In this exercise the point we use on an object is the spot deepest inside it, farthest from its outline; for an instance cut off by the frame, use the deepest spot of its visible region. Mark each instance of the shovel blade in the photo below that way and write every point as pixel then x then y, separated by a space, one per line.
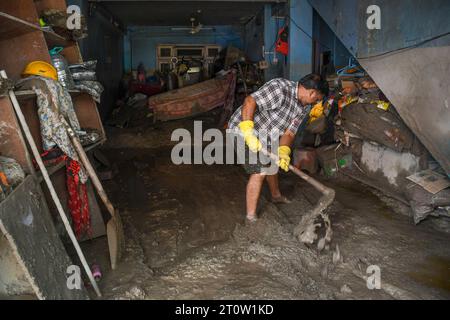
pixel 114 232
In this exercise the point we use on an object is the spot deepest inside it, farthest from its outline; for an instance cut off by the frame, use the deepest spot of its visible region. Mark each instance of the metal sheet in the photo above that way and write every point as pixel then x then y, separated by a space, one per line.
pixel 417 82
pixel 26 223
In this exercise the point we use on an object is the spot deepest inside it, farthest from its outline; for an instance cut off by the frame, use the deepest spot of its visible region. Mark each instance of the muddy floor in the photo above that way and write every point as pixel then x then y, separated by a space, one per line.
pixel 186 236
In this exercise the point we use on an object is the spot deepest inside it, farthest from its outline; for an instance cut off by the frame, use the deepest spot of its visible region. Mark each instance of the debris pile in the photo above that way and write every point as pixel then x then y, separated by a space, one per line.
pixel 11 175
pixel 57 21
pixel 188 88
pixel 357 131
pixel 130 112
pixel 5 86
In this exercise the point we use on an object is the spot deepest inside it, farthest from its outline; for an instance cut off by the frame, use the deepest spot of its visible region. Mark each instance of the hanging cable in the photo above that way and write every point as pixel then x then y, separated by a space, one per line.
pixel 306 33
pixel 388 52
pixel 392 52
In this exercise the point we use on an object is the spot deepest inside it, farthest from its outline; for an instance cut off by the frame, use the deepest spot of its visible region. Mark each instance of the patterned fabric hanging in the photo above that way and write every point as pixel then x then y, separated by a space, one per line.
pixel 78 200
pixel 56 113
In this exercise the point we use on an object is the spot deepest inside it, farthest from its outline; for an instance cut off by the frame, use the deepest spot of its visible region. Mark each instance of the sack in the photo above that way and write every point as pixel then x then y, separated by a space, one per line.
pixel 318 126
pixel 94 88
pixel 84 75
pixel 424 203
pixel 90 65
pixel 370 123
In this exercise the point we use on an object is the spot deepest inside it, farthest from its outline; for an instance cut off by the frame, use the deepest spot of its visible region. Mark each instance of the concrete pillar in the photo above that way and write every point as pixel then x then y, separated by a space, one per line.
pixel 301 46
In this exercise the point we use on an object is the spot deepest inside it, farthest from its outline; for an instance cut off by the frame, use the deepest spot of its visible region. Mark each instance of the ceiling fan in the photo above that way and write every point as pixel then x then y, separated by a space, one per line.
pixel 195 27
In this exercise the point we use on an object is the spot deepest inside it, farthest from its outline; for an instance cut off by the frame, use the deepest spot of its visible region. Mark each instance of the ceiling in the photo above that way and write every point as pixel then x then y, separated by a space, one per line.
pixel 177 13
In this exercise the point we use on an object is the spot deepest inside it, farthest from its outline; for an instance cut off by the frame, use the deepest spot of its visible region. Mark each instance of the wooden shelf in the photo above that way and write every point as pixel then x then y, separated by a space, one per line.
pixel 30 94
pixel 95 145
pixel 22 40
pixel 52 169
pixel 11 27
pixel 84 106
pixel 55 40
pixel 55 168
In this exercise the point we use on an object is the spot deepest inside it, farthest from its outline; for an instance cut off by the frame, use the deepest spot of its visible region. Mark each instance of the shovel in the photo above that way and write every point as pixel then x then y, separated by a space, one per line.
pixel 305 231
pixel 114 228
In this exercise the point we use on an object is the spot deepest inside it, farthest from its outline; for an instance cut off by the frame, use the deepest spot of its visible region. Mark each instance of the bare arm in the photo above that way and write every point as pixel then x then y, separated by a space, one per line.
pixel 287 138
pixel 248 109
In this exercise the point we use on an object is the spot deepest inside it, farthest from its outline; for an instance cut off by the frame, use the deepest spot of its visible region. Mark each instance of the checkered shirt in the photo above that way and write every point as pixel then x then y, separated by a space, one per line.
pixel 277 108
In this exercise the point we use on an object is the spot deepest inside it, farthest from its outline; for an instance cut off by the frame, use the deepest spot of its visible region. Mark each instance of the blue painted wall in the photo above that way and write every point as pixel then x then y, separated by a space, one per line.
pixel 299 61
pixel 141 42
pixel 253 39
pixel 403 23
pixel 300 50
pixel 272 25
pixel 328 41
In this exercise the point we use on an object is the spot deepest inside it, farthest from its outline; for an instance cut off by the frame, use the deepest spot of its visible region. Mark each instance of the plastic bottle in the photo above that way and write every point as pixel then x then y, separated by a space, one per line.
pixel 96 272
pixel 62 67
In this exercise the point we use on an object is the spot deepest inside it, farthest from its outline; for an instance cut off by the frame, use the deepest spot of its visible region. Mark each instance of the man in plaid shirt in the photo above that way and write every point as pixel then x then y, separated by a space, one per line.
pixel 278 105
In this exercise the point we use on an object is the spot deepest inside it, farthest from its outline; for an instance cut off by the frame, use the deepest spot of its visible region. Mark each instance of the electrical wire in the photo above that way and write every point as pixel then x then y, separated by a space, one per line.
pixel 254 16
pixel 277 23
pixel 392 51
pixel 400 50
pixel 306 33
pixel 377 55
pixel 359 58
pixel 296 25
pixel 302 30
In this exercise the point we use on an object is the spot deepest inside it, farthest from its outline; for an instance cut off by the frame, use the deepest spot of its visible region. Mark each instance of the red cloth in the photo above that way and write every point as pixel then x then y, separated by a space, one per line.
pixel 78 200
pixel 145 88
pixel 282 42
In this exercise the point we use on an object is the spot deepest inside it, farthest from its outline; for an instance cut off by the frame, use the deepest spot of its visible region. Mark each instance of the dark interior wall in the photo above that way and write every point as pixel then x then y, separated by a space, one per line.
pixel 104 44
pixel 328 41
pixel 254 37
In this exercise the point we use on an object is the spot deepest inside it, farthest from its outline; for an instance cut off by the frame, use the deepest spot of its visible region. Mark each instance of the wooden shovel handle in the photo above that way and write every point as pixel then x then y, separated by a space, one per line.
pixel 316 184
pixel 91 172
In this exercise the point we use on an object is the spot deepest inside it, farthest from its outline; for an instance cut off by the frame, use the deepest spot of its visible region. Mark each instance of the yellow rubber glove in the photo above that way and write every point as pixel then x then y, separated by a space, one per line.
pixel 250 139
pixel 284 158
pixel 316 112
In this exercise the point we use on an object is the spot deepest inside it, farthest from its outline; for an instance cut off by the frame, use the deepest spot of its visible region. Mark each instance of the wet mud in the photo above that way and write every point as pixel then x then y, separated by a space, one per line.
pixel 187 238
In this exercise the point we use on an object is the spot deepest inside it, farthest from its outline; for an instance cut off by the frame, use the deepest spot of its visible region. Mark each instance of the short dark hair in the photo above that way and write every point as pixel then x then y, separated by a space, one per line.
pixel 316 82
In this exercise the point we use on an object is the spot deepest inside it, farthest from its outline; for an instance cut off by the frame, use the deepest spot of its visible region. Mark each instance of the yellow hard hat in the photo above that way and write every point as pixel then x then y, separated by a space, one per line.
pixel 41 68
